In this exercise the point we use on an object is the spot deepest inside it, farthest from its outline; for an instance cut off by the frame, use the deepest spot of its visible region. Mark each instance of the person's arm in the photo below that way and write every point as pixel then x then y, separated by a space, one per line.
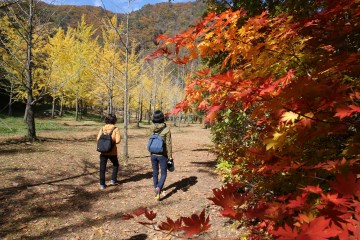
pixel 169 145
pixel 99 134
pixel 117 136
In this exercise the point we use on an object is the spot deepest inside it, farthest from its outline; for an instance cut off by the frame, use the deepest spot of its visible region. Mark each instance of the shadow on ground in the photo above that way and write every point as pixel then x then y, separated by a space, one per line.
pixel 61 198
pixel 136 178
pixel 208 164
pixel 138 237
pixel 184 185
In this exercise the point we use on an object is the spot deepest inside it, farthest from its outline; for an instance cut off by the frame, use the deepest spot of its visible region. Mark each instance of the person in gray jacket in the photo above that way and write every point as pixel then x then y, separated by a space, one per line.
pixel 161 159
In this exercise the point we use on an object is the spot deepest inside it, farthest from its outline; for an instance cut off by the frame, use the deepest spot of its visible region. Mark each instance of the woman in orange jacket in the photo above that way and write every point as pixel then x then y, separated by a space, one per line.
pixel 110 121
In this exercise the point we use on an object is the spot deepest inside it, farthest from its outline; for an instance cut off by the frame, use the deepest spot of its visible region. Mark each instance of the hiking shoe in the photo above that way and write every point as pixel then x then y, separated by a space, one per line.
pixel 157 193
pixel 114 182
pixel 102 186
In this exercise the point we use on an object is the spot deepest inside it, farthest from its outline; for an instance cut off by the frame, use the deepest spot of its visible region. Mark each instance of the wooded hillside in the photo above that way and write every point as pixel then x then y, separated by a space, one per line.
pixel 145 24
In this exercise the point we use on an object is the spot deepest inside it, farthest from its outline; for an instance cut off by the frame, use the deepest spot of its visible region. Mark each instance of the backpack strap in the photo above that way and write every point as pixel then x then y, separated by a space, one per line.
pixel 102 130
pixel 160 130
pixel 112 131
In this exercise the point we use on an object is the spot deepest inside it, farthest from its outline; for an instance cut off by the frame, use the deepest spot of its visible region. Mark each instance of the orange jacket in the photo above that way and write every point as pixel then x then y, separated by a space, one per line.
pixel 115 137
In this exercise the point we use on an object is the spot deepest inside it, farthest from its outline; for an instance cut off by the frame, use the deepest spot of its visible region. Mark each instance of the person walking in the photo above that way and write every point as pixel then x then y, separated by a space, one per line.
pixel 109 128
pixel 159 160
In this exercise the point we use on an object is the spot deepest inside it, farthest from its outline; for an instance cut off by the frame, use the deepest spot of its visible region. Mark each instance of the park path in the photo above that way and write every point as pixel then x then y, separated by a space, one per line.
pixel 50 189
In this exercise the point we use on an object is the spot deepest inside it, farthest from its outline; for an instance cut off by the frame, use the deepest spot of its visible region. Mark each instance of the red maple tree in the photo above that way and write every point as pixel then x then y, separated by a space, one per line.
pixel 297 84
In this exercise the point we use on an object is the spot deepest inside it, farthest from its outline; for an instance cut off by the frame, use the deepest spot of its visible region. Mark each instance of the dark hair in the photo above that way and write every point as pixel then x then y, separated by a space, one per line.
pixel 158 117
pixel 110 119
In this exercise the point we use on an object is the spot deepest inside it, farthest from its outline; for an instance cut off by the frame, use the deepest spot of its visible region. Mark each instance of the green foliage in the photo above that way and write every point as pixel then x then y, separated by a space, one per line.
pixel 229 133
pixel 223 168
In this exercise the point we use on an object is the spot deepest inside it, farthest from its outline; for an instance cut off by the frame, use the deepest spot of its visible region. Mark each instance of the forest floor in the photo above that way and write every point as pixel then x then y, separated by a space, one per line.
pixel 50 189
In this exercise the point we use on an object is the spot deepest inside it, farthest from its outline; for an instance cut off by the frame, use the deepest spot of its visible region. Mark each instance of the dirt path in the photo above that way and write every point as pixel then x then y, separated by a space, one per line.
pixel 50 190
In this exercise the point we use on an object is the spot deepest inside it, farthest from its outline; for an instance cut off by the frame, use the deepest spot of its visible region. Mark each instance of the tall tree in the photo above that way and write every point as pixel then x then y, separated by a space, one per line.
pixel 58 66
pixel 28 32
pixel 83 56
pixel 109 71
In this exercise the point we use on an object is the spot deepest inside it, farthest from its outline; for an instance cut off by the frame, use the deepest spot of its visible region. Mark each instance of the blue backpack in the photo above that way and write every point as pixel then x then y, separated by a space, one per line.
pixel 156 143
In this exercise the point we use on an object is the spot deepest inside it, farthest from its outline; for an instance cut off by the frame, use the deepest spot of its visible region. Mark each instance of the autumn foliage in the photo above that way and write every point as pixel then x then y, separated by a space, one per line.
pixel 182 227
pixel 296 81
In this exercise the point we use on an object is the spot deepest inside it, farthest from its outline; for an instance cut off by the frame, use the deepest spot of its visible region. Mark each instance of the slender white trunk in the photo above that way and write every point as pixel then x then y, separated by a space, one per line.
pixel 126 90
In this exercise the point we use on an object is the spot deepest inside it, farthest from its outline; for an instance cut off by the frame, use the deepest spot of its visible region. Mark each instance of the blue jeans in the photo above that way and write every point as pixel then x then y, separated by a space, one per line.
pixel 156 161
pixel 103 162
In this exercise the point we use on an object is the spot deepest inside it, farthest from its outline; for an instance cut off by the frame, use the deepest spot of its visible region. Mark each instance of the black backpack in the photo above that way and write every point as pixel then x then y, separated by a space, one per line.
pixel 105 143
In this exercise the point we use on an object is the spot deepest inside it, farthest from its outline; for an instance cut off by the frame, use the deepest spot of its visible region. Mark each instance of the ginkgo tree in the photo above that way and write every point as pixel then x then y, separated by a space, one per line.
pixel 58 66
pixel 295 79
pixel 22 42
pixel 82 59
pixel 109 70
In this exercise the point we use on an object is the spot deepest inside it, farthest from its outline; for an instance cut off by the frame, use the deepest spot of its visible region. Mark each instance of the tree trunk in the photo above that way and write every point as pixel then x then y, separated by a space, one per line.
pixel 102 109
pixel 110 108
pixel 10 112
pixel 53 108
pixel 77 108
pixel 30 118
pixel 174 120
pixel 126 94
pixel 81 108
pixel 149 112
pixel 61 113
pixel 141 112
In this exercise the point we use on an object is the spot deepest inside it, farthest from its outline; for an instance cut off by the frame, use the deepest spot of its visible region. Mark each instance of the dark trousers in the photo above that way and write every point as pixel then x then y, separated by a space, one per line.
pixel 103 162
pixel 156 161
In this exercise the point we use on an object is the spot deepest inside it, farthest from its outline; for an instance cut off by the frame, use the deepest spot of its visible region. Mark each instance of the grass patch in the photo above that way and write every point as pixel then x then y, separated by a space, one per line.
pixel 16 125
pixel 49 125
pixel 12 125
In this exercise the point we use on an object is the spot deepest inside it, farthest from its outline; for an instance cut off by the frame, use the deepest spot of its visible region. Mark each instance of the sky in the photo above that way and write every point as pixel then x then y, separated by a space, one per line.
pixel 117 6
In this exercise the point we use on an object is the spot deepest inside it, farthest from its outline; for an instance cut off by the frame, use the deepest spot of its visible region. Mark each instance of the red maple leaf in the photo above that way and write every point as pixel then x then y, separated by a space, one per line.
pixel 346 185
pixel 203 72
pixel 275 211
pixel 150 215
pixel 170 225
pixel 195 224
pixel 354 108
pixel 213 110
pixel 318 229
pixel 228 197
pixel 313 189
pixel 333 198
pixel 139 211
pixel 354 228
pixel 286 233
pixel 343 112
pixel 257 211
pixel 231 213
pixel 299 201
pixel 337 215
